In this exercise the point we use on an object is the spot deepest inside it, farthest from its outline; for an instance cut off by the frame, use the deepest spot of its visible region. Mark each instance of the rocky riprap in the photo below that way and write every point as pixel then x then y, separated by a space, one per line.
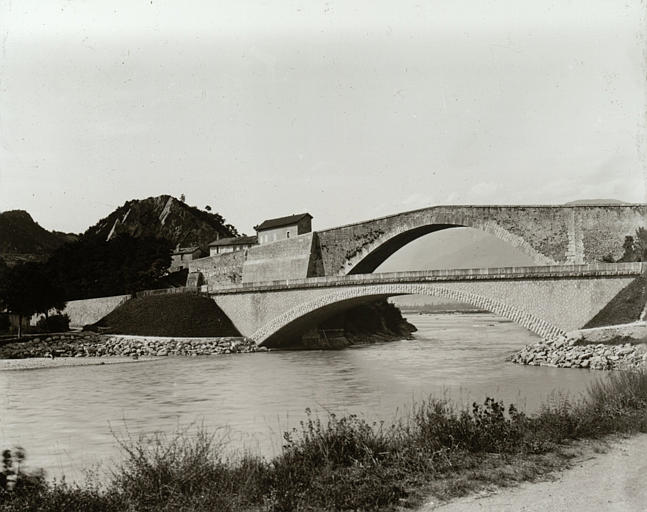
pixel 96 345
pixel 566 352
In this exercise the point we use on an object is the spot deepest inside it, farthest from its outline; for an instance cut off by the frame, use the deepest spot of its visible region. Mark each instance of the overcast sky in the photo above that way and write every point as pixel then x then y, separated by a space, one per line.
pixel 346 109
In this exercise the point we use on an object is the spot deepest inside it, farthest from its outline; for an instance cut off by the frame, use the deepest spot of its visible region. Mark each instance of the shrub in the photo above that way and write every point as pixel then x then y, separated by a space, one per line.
pixel 15 483
pixel 54 323
pixel 4 322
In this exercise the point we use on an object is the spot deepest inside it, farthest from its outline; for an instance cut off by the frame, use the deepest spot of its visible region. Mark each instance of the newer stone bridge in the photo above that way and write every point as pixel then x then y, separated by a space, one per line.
pixel 274 291
pixel 548 300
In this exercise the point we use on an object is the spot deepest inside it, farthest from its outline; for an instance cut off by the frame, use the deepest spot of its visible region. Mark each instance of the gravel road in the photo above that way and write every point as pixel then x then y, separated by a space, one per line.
pixel 613 481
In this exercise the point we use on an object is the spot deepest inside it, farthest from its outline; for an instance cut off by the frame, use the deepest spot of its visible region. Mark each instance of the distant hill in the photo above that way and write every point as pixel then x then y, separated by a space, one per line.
pixel 451 248
pixel 587 202
pixel 163 217
pixel 22 239
pixel 456 248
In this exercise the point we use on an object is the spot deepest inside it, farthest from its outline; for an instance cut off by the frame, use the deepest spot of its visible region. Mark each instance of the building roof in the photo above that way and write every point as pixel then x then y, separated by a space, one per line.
pixel 185 250
pixel 281 221
pixel 238 240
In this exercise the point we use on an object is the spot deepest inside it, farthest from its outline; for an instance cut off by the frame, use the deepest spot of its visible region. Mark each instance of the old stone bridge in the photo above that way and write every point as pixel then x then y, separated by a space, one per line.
pixel 549 234
pixel 548 300
pixel 274 291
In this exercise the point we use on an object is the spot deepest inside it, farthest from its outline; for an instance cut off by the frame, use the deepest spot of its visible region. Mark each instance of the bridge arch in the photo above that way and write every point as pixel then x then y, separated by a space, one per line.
pixel 324 306
pixel 365 259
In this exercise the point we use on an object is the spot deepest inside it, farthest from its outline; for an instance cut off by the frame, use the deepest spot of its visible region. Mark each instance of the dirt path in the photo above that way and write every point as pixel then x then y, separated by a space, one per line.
pixel 611 481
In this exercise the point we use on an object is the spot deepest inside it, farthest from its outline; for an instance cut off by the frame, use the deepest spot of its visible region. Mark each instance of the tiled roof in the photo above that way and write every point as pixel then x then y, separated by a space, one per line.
pixel 281 221
pixel 239 240
pixel 185 250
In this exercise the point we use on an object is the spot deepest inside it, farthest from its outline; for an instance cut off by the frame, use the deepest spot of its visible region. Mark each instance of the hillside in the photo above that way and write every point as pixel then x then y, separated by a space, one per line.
pixel 22 239
pixel 163 217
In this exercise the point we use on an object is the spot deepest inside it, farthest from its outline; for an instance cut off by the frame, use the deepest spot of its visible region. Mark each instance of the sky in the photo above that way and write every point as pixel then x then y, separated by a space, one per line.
pixel 346 109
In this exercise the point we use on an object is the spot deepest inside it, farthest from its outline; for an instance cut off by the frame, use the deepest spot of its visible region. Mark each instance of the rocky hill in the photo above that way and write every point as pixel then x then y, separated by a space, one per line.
pixel 163 217
pixel 22 239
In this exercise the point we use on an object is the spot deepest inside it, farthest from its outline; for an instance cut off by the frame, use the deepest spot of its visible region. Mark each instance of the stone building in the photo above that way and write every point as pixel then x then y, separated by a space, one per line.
pixel 181 257
pixel 238 243
pixel 281 228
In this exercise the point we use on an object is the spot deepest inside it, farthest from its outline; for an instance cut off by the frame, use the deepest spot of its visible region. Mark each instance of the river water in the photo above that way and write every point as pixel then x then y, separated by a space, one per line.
pixel 67 418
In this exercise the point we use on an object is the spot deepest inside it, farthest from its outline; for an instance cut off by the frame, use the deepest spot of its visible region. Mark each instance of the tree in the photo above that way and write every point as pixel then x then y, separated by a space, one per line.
pixel 3 277
pixel 27 289
pixel 641 244
pixel 92 267
pixel 635 248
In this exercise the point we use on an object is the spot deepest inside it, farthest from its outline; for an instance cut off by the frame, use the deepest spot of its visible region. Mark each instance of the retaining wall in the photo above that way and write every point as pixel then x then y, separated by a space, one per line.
pixel 89 311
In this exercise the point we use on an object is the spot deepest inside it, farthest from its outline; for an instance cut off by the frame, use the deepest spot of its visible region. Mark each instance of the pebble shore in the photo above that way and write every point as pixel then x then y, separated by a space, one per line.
pixel 571 352
pixel 83 345
pixel 36 363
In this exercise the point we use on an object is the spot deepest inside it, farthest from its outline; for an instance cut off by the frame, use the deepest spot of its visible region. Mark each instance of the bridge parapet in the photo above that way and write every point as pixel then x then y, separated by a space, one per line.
pixel 443 275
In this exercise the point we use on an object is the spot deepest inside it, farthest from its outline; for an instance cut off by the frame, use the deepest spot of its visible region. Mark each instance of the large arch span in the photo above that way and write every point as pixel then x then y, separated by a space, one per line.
pixel 548 234
pixel 310 313
pixel 373 254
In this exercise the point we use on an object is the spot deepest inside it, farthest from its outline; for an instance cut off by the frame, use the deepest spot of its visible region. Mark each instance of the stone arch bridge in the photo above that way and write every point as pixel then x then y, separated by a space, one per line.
pixel 548 300
pixel 551 235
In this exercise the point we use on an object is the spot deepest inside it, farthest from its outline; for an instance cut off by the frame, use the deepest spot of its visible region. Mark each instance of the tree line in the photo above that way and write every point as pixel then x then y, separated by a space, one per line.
pixel 89 267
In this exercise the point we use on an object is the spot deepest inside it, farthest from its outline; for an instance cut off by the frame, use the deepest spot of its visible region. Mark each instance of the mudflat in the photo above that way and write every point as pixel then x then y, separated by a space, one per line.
pixel 33 363
pixel 615 481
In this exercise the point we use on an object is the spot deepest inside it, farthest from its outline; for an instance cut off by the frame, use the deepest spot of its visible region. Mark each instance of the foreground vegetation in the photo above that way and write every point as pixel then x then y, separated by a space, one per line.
pixel 347 463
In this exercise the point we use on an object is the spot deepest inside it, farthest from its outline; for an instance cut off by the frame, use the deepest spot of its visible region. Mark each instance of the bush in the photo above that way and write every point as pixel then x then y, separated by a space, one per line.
pixel 348 463
pixel 54 323
pixel 4 322
pixel 15 483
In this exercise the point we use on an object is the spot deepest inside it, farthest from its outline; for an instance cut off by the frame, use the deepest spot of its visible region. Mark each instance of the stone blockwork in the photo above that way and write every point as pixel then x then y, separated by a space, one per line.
pixel 550 234
pixel 89 311
pixel 548 303
pixel 293 258
pixel 221 269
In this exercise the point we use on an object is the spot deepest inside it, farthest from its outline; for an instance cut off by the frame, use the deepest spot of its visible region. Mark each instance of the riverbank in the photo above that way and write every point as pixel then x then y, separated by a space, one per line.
pixel 37 363
pixel 90 345
pixel 347 463
pixel 604 477
pixel 619 347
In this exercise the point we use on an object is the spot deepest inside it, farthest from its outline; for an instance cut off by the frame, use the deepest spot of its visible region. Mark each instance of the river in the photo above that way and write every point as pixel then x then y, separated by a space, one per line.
pixel 66 418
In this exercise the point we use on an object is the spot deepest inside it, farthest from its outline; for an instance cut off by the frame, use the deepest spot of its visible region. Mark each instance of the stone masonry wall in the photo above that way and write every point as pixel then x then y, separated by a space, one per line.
pixel 285 259
pixel 603 230
pixel 89 311
pixel 550 234
pixel 220 269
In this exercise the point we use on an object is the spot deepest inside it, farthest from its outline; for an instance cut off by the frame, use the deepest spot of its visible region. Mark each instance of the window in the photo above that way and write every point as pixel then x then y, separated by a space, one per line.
pixel 287 234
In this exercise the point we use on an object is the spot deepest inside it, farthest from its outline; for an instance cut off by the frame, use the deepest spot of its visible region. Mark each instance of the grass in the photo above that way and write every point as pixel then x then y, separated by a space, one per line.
pixel 347 463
